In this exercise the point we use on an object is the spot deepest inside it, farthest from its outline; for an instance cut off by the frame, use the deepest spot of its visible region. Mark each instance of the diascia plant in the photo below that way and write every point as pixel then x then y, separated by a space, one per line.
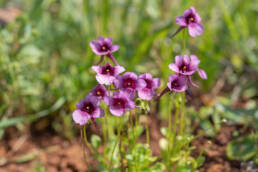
pixel 120 98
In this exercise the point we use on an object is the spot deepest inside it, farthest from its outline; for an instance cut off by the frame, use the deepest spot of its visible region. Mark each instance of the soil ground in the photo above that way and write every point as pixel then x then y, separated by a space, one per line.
pixel 31 152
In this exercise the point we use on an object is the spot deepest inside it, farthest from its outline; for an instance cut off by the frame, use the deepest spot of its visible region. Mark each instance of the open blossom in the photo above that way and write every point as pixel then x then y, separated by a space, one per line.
pixel 151 84
pixel 107 74
pixel 129 83
pixel 119 103
pixel 99 92
pixel 187 65
pixel 103 46
pixel 177 83
pixel 192 20
pixel 87 109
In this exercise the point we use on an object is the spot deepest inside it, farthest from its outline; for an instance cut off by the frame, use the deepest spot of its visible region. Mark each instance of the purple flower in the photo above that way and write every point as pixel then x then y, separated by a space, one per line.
pixel 103 46
pixel 106 74
pixel 185 65
pixel 192 20
pixel 99 92
pixel 151 84
pixel 129 83
pixel 177 83
pixel 119 103
pixel 87 109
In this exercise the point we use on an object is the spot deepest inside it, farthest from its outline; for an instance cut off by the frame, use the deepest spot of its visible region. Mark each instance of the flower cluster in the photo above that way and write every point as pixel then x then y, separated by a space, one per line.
pixel 185 66
pixel 122 88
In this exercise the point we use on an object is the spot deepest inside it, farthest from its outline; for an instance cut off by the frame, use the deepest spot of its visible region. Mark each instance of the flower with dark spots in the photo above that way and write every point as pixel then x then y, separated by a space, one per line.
pixel 99 92
pixel 129 83
pixel 185 65
pixel 107 74
pixel 177 83
pixel 87 109
pixel 119 103
pixel 190 20
pixel 147 92
pixel 103 46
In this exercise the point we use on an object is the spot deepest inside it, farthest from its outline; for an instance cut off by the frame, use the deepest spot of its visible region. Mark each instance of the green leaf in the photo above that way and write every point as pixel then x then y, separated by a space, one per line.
pixel 95 141
pixel 243 149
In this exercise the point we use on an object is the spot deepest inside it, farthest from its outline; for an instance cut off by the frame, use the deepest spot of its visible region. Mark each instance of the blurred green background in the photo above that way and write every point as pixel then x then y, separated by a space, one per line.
pixel 45 57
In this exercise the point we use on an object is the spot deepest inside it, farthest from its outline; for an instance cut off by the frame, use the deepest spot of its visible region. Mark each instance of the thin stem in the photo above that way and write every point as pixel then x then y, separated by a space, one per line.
pixel 147 130
pixel 86 140
pixel 174 34
pixel 182 120
pixel 170 133
pixel 83 148
pixel 132 126
pixel 121 145
pixel 112 153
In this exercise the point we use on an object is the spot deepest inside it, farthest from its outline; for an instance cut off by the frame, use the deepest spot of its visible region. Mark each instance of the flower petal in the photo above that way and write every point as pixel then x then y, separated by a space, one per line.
pixel 181 21
pixel 117 112
pixel 191 82
pixel 97 69
pixel 179 60
pixel 202 73
pixel 119 69
pixel 146 94
pixel 114 48
pixel 156 83
pixel 174 67
pixel 194 60
pixel 195 29
pixel 105 79
pixel 80 117
pixel 140 84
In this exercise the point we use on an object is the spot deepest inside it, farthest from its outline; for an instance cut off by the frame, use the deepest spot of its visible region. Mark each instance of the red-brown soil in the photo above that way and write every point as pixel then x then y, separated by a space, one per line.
pixel 57 154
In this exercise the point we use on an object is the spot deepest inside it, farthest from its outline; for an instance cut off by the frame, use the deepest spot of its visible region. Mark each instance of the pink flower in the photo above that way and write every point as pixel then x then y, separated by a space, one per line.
pixel 107 74
pixel 119 103
pixel 187 66
pixel 190 20
pixel 103 46
pixel 129 83
pixel 99 92
pixel 177 83
pixel 87 109
pixel 147 92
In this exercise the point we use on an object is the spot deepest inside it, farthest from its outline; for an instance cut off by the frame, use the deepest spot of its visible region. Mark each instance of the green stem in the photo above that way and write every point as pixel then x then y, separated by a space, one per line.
pixel 121 146
pixel 86 140
pixel 83 148
pixel 112 153
pixel 182 119
pixel 132 127
pixel 169 134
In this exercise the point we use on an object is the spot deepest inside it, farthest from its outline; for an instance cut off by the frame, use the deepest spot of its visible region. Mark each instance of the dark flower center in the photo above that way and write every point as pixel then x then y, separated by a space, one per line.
pixel 104 47
pixel 129 83
pixel 88 107
pixel 99 92
pixel 119 103
pixel 108 70
pixel 175 84
pixel 184 68
pixel 190 19
pixel 148 83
